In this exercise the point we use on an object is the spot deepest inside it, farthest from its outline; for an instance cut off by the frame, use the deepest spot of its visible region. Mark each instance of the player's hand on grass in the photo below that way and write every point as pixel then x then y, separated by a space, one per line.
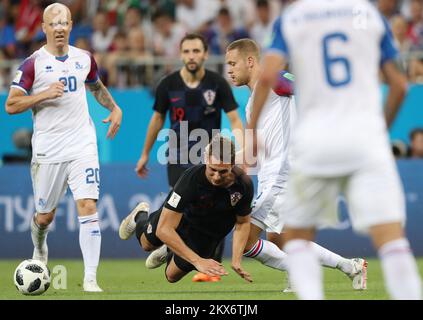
pixel 55 90
pixel 141 168
pixel 210 267
pixel 115 118
pixel 242 273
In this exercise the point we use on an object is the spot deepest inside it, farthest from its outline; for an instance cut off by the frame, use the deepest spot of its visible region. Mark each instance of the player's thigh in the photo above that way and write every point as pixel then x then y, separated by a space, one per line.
pixel 201 244
pixel 375 196
pixel 253 236
pixel 49 182
pixel 84 178
pixel 276 238
pixel 311 201
pixel 268 206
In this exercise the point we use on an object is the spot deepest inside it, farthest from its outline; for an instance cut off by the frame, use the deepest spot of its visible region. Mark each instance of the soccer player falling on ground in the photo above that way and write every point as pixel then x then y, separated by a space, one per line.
pixel 208 201
pixel 195 97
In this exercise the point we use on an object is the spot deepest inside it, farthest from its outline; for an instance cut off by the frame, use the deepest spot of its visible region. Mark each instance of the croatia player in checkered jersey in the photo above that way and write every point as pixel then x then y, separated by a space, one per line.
pixel 51 82
pixel 340 143
pixel 273 164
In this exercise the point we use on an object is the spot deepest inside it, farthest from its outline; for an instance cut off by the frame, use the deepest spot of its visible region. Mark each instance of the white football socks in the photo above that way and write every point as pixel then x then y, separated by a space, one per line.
pixel 304 269
pixel 90 242
pixel 39 240
pixel 400 270
pixel 332 260
pixel 268 254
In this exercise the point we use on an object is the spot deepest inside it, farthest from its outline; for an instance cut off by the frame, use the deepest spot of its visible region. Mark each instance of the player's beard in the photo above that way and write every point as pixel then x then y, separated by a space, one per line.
pixel 193 71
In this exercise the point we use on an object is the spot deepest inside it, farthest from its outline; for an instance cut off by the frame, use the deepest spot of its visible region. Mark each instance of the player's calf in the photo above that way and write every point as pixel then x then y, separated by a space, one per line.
pixel 39 231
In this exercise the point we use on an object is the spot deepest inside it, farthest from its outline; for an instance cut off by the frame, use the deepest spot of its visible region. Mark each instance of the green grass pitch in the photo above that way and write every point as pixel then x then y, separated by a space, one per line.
pixel 129 279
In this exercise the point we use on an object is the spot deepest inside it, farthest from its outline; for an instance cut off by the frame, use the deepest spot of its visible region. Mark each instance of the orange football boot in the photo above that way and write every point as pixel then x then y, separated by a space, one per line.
pixel 202 277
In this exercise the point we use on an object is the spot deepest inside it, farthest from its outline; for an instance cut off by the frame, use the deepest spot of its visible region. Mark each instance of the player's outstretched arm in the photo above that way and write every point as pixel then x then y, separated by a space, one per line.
pixel 18 101
pixel 166 231
pixel 241 232
pixel 103 97
pixel 154 127
pixel 397 83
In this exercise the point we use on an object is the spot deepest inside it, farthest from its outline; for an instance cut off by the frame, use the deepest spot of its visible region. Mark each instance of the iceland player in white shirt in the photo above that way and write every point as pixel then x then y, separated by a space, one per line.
pixel 273 163
pixel 340 144
pixel 51 83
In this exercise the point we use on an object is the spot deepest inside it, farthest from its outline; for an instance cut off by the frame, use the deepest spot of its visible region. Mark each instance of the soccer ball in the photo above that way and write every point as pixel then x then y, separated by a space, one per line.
pixel 32 277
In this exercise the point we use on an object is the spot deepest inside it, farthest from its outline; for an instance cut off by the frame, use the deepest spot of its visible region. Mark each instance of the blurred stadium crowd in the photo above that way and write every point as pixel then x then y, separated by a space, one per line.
pixel 136 42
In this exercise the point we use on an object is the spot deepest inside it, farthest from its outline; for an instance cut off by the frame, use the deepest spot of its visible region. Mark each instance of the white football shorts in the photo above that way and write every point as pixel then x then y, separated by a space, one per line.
pixel 267 207
pixel 50 181
pixel 374 196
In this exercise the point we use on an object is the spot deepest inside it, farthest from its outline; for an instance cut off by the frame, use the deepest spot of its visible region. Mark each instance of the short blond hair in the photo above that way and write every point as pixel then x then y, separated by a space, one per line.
pixel 246 47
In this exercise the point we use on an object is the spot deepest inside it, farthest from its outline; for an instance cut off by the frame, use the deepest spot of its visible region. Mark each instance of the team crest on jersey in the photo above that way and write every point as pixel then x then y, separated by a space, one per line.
pixel 78 66
pixel 209 96
pixel 235 197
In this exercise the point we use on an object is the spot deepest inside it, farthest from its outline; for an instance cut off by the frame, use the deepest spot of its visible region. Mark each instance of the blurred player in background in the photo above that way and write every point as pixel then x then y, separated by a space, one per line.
pixel 273 163
pixel 51 82
pixel 207 202
pixel 340 143
pixel 194 97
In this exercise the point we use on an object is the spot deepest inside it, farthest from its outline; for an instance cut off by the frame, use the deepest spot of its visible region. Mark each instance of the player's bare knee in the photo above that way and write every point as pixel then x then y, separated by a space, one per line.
pixel 171 279
pixel 172 276
pixel 384 233
pixel 86 207
pixel 45 219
